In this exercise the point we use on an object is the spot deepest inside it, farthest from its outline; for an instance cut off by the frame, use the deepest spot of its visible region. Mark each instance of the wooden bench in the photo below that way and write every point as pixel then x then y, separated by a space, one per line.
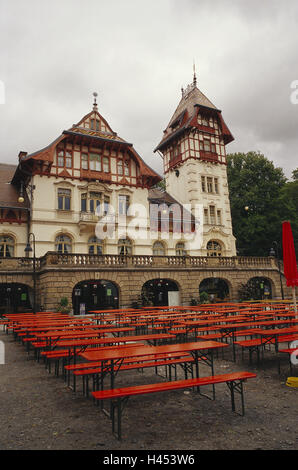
pixel 119 396
pixel 185 362
pixel 253 345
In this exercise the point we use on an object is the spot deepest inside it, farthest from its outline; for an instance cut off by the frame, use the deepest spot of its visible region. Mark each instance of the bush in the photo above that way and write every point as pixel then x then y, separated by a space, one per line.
pixel 63 306
pixel 204 297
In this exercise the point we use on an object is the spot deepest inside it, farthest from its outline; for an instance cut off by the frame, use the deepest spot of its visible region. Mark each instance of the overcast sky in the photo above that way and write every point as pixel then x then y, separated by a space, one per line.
pixel 137 55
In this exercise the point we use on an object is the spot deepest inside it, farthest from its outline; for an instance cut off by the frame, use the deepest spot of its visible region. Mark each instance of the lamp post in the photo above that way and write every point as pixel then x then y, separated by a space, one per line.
pixel 28 249
pixel 275 254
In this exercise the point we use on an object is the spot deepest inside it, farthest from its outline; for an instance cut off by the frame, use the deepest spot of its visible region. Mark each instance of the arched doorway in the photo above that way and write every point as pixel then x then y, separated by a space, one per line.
pixel 257 288
pixel 15 297
pixel 160 292
pixel 94 295
pixel 216 288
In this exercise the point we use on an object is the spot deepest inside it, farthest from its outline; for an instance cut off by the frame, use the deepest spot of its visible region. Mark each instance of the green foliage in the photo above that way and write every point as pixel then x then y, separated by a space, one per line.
pixel 204 297
pixel 255 183
pixel 295 174
pixel 63 306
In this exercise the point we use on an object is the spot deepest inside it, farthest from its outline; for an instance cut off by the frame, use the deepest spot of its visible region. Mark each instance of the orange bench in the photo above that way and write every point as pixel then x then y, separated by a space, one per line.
pixel 119 396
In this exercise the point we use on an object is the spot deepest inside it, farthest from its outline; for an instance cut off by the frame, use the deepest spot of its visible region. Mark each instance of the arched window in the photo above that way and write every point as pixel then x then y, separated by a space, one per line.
pixel 63 244
pixel 180 249
pixel 214 248
pixel 124 246
pixel 95 246
pixel 6 246
pixel 158 249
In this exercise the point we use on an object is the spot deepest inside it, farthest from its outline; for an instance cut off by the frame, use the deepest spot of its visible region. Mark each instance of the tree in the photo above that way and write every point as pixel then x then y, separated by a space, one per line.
pixel 255 189
pixel 295 174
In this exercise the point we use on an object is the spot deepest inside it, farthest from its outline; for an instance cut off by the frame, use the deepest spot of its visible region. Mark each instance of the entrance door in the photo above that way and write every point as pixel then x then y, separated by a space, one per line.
pixel 14 298
pixel 94 295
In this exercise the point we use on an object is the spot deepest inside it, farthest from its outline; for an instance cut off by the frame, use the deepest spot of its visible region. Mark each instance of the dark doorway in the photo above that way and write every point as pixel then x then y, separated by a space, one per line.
pixel 216 288
pixel 157 292
pixel 259 288
pixel 94 295
pixel 14 298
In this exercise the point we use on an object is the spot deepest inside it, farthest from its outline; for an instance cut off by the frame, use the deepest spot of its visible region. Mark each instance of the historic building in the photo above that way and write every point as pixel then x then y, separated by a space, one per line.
pixel 84 217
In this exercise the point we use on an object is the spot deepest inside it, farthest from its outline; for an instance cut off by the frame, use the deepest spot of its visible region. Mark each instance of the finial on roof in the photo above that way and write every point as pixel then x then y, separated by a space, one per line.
pixel 95 103
pixel 194 74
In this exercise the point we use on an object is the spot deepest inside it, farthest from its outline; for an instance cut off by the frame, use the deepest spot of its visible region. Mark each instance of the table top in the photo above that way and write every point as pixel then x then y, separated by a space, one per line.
pixel 120 339
pixel 139 350
pixel 277 331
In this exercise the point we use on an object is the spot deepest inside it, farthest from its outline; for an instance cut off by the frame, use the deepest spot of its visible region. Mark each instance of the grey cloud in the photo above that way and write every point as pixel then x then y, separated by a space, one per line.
pixel 137 55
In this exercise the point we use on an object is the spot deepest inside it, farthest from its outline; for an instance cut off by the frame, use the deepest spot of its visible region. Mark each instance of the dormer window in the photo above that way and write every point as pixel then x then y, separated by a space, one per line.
pixel 205 121
pixel 94 124
pixel 64 158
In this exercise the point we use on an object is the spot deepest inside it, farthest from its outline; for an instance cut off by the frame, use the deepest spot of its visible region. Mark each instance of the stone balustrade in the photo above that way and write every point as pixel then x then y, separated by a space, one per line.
pixel 81 260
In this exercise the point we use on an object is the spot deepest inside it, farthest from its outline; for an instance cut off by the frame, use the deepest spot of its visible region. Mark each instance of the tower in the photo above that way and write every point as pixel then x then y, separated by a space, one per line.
pixel 193 148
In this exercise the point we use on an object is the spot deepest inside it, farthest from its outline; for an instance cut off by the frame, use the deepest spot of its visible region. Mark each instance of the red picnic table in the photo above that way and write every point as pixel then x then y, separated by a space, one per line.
pixel 112 359
pixel 276 335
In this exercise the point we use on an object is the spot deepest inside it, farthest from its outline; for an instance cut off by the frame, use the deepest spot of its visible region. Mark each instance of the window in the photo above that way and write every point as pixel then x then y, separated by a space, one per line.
pixel 124 247
pixel 158 249
pixel 206 218
pixel 64 158
pixel 84 159
pixel 106 165
pixel 126 168
pixel 64 196
pixel 106 202
pixel 214 248
pixel 216 185
pixel 207 146
pixel 94 124
pixel 63 244
pixel 84 202
pixel 123 204
pixel 203 183
pixel 94 162
pixel 6 246
pixel 180 249
pixel 210 185
pixel 120 167
pixel 218 217
pixel 204 121
pixel 212 215
pixel 95 246
pixel 94 202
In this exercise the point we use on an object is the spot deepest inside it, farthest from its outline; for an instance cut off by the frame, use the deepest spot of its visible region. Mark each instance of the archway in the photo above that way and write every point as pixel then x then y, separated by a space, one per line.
pixel 94 295
pixel 160 292
pixel 15 297
pixel 215 287
pixel 256 288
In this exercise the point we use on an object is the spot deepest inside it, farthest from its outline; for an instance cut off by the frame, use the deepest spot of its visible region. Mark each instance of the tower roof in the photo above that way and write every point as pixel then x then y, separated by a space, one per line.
pixel 192 99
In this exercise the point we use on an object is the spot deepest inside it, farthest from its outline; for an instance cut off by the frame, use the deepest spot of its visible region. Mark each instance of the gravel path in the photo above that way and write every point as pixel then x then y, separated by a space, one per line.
pixel 39 412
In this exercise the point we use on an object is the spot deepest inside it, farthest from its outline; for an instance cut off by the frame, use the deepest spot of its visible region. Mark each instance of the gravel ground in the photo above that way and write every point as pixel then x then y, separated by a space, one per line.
pixel 39 412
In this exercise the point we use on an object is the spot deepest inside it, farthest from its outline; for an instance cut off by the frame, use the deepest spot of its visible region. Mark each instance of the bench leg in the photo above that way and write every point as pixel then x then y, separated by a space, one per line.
pixel 236 387
pixel 119 404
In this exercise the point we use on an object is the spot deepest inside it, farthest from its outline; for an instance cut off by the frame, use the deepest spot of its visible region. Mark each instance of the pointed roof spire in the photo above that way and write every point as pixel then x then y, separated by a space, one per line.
pixel 95 103
pixel 194 74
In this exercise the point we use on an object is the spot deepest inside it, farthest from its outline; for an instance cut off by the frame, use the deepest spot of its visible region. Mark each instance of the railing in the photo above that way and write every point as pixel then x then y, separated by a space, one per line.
pixel 81 260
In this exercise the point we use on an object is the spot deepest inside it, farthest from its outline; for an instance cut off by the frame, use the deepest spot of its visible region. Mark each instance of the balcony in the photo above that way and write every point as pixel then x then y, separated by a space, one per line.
pixel 78 261
pixel 208 156
pixel 174 161
pixel 87 221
